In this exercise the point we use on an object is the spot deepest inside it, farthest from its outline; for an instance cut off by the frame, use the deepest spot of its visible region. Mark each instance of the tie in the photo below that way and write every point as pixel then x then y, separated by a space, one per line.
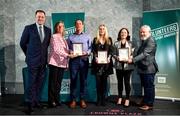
pixel 41 33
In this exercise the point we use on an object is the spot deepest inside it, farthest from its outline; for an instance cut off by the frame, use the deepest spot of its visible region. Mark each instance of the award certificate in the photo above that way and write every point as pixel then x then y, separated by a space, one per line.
pixel 102 57
pixel 123 54
pixel 77 48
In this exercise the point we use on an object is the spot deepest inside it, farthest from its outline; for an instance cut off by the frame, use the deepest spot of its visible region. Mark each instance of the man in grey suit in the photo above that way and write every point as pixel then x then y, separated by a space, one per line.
pixel 147 66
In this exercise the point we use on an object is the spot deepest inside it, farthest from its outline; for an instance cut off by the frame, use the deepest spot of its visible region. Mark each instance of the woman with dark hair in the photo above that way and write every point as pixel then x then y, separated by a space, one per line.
pixel 58 62
pixel 123 69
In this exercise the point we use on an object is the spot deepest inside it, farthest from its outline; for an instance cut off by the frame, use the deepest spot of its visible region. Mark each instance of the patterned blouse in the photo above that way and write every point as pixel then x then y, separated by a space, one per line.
pixel 59 51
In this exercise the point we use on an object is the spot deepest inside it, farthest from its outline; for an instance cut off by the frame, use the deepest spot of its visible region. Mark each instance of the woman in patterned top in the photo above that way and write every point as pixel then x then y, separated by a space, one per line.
pixel 58 62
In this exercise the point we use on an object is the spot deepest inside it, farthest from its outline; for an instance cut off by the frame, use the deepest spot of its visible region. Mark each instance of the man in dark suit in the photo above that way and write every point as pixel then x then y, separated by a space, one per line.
pixel 147 66
pixel 34 43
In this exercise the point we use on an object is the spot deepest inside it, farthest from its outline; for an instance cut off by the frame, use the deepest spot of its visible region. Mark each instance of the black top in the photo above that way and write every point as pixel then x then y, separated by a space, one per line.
pixel 102 69
pixel 123 46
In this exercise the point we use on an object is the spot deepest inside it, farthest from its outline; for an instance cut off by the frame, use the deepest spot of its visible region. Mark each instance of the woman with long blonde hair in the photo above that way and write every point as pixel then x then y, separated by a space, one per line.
pixel 102 42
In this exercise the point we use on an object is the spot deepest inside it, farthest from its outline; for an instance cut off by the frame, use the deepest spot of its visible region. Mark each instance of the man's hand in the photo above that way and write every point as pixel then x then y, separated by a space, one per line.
pixel 84 53
pixel 72 55
pixel 130 60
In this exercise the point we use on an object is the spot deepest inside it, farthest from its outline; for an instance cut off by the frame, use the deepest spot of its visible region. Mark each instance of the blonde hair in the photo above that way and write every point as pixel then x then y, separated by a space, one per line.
pixel 105 37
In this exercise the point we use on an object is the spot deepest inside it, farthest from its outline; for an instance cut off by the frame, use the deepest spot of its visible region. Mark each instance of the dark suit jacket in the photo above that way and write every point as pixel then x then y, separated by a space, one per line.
pixel 33 48
pixel 145 58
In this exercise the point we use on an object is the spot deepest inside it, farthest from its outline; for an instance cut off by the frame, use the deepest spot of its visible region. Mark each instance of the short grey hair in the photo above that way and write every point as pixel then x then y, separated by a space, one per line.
pixel 147 27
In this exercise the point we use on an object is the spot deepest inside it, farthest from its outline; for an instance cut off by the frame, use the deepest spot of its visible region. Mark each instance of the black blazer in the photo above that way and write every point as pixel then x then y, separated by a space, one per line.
pixel 35 50
pixel 106 69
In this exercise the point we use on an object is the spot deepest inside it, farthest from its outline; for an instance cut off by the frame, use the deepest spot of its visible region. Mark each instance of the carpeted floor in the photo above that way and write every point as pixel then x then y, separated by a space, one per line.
pixel 13 105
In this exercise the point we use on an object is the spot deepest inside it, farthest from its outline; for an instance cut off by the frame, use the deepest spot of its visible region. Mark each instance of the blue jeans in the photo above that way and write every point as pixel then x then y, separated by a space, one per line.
pixel 147 81
pixel 78 67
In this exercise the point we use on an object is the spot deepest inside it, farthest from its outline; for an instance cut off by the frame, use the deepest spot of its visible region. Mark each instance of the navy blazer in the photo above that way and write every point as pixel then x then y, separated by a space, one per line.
pixel 145 58
pixel 35 50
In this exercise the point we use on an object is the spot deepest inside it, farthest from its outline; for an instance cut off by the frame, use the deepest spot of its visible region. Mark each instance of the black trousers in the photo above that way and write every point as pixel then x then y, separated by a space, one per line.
pixel 35 82
pixel 54 86
pixel 123 76
pixel 101 86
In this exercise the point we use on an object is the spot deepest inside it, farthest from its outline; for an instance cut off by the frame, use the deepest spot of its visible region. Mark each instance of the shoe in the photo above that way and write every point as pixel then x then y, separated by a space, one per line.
pixel 98 103
pixel 53 104
pixel 72 104
pixel 119 101
pixel 140 103
pixel 103 103
pixel 126 104
pixel 83 104
pixel 38 105
pixel 146 107
pixel 58 104
pixel 28 111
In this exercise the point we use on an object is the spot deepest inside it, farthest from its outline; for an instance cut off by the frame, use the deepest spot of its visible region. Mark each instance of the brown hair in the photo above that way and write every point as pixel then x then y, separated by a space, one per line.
pixel 119 37
pixel 78 20
pixel 40 11
pixel 55 27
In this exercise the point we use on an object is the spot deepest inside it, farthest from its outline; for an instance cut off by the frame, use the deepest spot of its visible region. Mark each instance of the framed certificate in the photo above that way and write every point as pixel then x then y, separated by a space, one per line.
pixel 102 57
pixel 123 54
pixel 77 48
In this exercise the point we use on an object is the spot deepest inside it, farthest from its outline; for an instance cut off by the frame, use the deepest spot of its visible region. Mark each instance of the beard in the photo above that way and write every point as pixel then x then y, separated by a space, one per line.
pixel 144 38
